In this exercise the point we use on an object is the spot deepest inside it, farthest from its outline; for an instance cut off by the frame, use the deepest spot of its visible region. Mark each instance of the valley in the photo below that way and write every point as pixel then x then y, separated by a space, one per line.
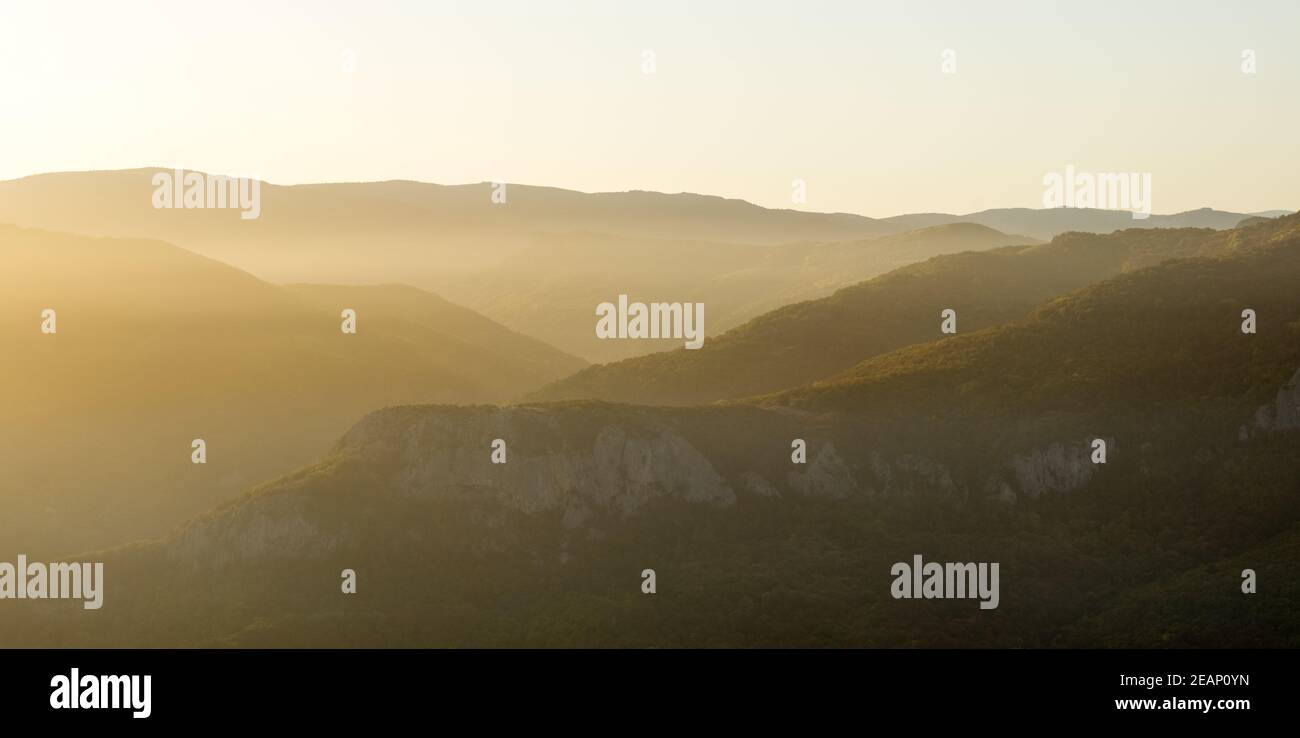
pixel 980 446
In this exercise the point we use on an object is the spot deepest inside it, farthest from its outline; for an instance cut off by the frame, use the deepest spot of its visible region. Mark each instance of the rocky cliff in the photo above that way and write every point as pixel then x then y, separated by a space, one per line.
pixel 1282 414
pixel 585 463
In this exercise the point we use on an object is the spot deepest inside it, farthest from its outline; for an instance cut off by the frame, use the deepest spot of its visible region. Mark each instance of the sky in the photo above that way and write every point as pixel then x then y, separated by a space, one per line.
pixel 742 98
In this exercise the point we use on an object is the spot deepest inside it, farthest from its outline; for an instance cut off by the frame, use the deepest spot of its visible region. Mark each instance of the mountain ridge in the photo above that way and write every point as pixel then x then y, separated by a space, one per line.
pixel 983 217
pixel 810 340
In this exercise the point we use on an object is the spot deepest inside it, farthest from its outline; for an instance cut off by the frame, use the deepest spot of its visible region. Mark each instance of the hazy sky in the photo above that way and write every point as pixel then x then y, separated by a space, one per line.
pixel 746 96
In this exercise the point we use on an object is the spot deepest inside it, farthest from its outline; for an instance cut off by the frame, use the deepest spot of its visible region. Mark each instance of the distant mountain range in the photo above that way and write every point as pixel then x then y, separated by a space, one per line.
pixel 542 260
pixel 404 215
pixel 1047 223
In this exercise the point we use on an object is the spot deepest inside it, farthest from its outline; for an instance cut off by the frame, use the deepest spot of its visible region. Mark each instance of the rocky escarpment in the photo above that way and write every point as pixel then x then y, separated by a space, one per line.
pixel 591 462
pixel 270 526
pixel 580 462
pixel 615 458
pixel 586 463
pixel 1283 414
pixel 544 460
pixel 1051 469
